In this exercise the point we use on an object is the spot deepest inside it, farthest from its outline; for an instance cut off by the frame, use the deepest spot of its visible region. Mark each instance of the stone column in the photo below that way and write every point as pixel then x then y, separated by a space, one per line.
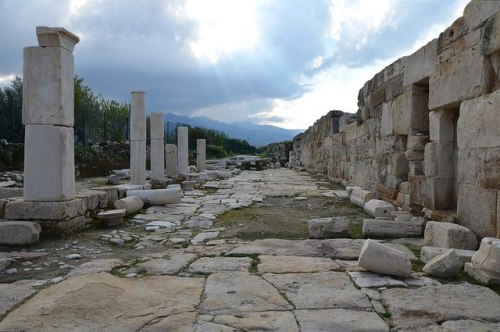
pixel 171 160
pixel 201 154
pixel 183 151
pixel 138 139
pixel 157 149
pixel 48 114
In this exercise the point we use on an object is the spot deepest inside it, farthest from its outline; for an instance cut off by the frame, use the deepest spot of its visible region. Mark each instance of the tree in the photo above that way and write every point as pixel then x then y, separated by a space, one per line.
pixel 88 125
pixel 11 102
pixel 116 120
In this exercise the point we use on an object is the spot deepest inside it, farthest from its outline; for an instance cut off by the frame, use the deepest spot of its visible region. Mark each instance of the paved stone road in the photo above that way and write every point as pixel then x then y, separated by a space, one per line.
pixel 189 281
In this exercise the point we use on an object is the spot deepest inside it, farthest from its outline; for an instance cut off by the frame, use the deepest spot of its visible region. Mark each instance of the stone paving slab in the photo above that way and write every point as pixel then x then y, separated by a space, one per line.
pixel 278 321
pixel 417 308
pixel 323 290
pixel 12 294
pixel 464 325
pixel 101 301
pixel 327 320
pixel 220 264
pixel 167 266
pixel 295 264
pixel 236 292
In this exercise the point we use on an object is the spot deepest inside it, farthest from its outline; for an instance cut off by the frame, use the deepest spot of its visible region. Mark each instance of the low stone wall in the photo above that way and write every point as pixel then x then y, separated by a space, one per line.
pixel 427 132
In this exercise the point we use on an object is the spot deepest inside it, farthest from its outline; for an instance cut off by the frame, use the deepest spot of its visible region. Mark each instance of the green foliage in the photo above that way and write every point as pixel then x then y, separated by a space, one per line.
pixel 11 102
pixel 215 152
pixel 5 156
pixel 116 119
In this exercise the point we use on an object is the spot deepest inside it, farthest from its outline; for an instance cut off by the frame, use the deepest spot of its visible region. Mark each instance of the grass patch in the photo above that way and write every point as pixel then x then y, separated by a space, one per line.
pixel 255 262
pixel 356 230
pixel 417 265
pixel 467 278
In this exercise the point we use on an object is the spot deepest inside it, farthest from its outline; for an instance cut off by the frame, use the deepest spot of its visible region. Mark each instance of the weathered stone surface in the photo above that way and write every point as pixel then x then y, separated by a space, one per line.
pixel 11 192
pixel 100 298
pixel 171 160
pixel 201 154
pixel 48 97
pixel 21 210
pixel 427 253
pixel 49 164
pixel 419 307
pixel 325 320
pixel 448 235
pixel 477 12
pixel 158 196
pixel 220 264
pixel 279 321
pixel 319 290
pixel 170 265
pixel 380 258
pixel 19 232
pixel 12 295
pixel 417 143
pixel 56 37
pixel 378 208
pixel 378 228
pixel 360 196
pixel 438 159
pixel 157 160
pixel 232 293
pixel 327 228
pixel 369 279
pixel 421 64
pixel 295 264
pixel 138 162
pixel 137 117
pixel 485 264
pixel 93 199
pixel 182 151
pixel 477 210
pixel 131 204
pixel 445 265
pixel 202 237
pixel 95 266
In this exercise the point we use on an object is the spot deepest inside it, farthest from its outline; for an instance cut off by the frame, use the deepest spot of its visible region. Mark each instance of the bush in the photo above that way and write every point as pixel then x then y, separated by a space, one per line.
pixel 5 156
pixel 215 152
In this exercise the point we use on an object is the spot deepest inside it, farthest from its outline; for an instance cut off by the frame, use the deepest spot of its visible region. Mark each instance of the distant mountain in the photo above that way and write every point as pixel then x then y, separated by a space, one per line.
pixel 257 135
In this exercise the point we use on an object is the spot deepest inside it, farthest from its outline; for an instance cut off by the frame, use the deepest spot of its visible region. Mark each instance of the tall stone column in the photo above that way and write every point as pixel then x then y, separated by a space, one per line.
pixel 201 154
pixel 138 139
pixel 183 151
pixel 157 148
pixel 171 160
pixel 48 114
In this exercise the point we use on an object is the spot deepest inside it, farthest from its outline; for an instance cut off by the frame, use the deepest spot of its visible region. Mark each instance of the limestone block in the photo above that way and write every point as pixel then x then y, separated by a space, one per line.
pixel 224 174
pixel 404 187
pixel 379 258
pixel 138 162
pixel 157 160
pixel 19 232
pixel 111 195
pixel 19 209
pixel 112 218
pixel 448 235
pixel 157 126
pixel 441 126
pixel 93 199
pixel 361 196
pixel 491 36
pixel 399 165
pixel 417 143
pixel 387 121
pixel 416 167
pixel 477 209
pixel 421 64
pixel 394 87
pixel 445 265
pixel 182 151
pixel 138 117
pixel 11 192
pixel 478 11
pixel 158 196
pixel 130 204
pixel 401 113
pixel 171 160
pixel 438 192
pixel 465 76
pixel 414 155
pixel 379 228
pixel 438 159
pixel 489 175
pixel 478 125
pixel 201 154
pixel 427 253
pixel 485 264
pixel 49 163
pixel 419 110
pixel 378 208
pixel 56 37
pixel 48 96
pixel 328 228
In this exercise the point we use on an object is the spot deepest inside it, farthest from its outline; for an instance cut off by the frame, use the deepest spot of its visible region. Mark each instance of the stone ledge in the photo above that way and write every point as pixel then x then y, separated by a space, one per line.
pixel 19 209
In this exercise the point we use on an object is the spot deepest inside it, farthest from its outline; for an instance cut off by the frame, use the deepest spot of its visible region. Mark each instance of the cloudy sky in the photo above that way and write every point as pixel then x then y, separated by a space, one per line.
pixel 280 62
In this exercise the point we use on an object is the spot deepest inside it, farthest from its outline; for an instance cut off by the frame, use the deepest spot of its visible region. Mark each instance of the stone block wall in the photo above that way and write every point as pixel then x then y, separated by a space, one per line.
pixel 427 132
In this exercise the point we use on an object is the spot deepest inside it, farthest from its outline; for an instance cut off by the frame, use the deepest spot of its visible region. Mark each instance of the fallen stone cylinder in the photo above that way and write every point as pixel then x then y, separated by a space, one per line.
pixel 360 196
pixel 19 232
pixel 131 204
pixel 158 196
pixel 329 228
pixel 378 228
pixel 378 208
pixel 382 259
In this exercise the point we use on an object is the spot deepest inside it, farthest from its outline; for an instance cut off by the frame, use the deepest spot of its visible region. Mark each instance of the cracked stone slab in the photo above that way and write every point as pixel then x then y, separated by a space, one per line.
pixel 101 302
pixel 12 295
pixel 172 265
pixel 295 264
pixel 417 308
pixel 201 237
pixel 326 320
pixel 333 248
pixel 220 264
pixel 370 279
pixel 323 290
pixel 236 292
pixel 278 321
pixel 96 266
pixel 466 325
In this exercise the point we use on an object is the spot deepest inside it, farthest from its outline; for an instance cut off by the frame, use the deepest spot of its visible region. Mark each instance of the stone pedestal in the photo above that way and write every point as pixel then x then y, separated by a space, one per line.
pixel 183 151
pixel 157 148
pixel 201 154
pixel 138 139
pixel 171 160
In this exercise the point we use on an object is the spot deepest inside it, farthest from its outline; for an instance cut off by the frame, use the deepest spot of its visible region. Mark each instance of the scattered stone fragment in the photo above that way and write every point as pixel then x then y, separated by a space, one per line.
pixel 360 196
pixel 73 256
pixel 300 198
pixel 201 237
pixel 19 232
pixel 371 280
pixel 485 264
pixel 118 242
pixel 56 280
pixel 131 204
pixel 327 228
pixel 448 235
pixel 112 217
pixel 380 258
pixel 445 265
pixel 113 179
pixel 378 208
pixel 427 253
pixel 278 321
pixel 11 271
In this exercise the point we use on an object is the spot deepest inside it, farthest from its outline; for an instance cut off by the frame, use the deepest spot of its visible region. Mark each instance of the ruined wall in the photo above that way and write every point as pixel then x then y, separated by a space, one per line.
pixel 427 131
